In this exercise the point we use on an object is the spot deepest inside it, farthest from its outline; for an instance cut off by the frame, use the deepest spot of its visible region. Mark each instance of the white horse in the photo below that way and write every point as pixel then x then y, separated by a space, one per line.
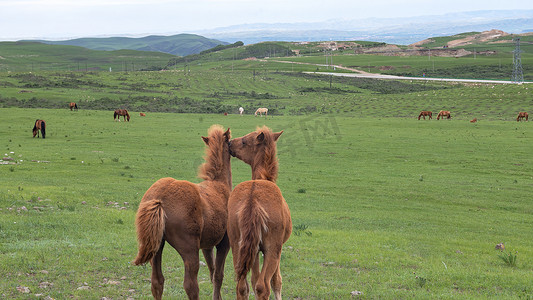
pixel 241 110
pixel 261 111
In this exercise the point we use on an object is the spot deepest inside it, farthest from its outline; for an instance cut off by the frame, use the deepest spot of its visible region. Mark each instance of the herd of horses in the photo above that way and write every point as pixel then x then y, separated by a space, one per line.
pixel 442 114
pixel 447 114
pixel 40 125
pixel 252 218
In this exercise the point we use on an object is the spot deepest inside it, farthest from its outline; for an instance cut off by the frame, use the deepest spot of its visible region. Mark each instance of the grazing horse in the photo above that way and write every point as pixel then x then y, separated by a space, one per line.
pixel 258 216
pixel 190 217
pixel 142 114
pixel 521 116
pixel 39 125
pixel 121 112
pixel 241 110
pixel 261 111
pixel 425 113
pixel 444 113
pixel 474 120
pixel 73 105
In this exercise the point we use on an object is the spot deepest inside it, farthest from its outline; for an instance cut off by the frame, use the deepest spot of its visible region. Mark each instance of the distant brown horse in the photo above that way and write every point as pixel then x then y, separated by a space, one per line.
pixel 258 216
pixel 474 120
pixel 73 105
pixel 425 113
pixel 189 217
pixel 444 113
pixel 142 114
pixel 521 116
pixel 261 111
pixel 40 125
pixel 121 112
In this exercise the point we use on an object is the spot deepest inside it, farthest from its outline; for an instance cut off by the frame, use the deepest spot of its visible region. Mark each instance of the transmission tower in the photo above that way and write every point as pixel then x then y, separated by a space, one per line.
pixel 518 74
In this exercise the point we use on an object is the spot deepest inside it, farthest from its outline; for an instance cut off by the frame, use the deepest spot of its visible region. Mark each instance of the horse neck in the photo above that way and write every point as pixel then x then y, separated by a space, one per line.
pixel 265 166
pixel 224 175
pixel 217 171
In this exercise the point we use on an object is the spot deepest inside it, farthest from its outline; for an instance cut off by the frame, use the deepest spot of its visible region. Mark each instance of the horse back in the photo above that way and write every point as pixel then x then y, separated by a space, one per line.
pixel 267 196
pixel 178 198
pixel 188 211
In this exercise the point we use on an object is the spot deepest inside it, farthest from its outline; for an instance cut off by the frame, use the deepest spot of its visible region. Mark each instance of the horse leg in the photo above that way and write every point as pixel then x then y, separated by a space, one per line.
pixel 242 289
pixel 158 280
pixel 186 245
pixel 276 284
pixel 255 270
pixel 209 260
pixel 191 261
pixel 270 265
pixel 222 252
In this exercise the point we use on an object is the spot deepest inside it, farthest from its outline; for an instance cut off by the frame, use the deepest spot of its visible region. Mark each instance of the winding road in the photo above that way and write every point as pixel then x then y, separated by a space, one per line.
pixel 362 74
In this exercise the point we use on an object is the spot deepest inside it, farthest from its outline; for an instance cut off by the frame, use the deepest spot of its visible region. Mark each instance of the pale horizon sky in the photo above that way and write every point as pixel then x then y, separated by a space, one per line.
pixel 64 19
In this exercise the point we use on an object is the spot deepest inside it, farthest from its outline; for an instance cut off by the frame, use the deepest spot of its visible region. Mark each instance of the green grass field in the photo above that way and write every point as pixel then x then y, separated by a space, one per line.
pixel 390 207
pixel 216 88
pixel 33 57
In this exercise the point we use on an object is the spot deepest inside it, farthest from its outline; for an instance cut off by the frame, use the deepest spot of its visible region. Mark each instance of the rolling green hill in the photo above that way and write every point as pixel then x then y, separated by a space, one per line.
pixel 34 56
pixel 180 44
pixel 472 55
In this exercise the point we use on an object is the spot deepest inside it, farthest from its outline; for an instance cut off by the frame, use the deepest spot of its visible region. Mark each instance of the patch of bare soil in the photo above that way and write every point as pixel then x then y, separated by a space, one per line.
pixel 423 42
pixel 485 36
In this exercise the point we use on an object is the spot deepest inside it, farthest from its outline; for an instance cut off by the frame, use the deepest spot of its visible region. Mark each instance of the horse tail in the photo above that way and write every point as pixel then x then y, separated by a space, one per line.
pixel 115 115
pixel 43 129
pixel 253 223
pixel 150 223
pixel 76 105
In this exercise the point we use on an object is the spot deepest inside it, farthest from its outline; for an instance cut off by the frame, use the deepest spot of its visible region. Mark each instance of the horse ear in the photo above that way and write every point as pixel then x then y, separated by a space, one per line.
pixel 206 140
pixel 276 135
pixel 227 134
pixel 261 137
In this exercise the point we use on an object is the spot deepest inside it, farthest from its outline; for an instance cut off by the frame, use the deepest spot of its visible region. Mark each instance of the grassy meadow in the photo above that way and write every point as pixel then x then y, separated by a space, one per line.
pixel 223 87
pixel 384 207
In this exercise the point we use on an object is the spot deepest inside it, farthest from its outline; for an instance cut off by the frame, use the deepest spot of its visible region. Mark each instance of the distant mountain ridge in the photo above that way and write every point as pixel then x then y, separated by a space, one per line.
pixel 401 31
pixel 180 44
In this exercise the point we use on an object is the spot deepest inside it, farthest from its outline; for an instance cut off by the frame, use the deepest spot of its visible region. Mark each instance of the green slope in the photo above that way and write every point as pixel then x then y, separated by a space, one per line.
pixel 34 56
pixel 181 44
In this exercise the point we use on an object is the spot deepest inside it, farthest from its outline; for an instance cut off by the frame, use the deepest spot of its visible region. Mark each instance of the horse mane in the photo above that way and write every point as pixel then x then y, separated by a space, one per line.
pixel 265 161
pixel 213 166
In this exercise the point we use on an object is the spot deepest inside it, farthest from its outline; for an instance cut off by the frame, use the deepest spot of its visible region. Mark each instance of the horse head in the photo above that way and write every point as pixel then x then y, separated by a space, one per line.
pixel 258 149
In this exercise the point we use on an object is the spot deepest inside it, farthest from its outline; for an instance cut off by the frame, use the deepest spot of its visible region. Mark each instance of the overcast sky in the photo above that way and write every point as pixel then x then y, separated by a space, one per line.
pixel 61 19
